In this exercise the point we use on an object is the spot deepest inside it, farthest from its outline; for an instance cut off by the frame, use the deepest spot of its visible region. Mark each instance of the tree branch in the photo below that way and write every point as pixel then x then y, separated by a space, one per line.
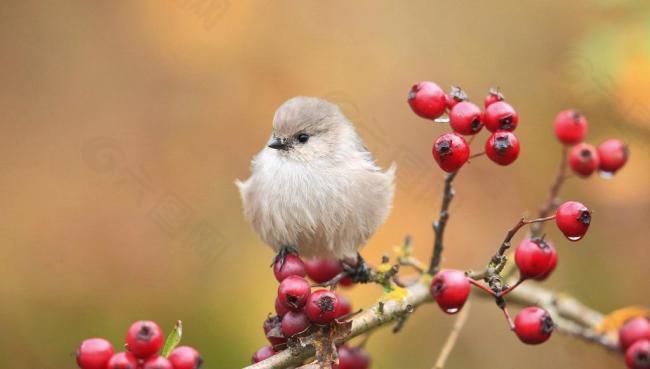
pixel 439 226
pixel 552 200
pixel 452 338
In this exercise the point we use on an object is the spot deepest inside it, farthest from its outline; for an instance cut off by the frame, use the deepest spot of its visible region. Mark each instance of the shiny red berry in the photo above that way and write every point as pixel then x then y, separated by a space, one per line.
pixel 456 96
pixel 634 330
pixel 534 258
pixel 322 307
pixel 494 95
pixel 322 270
pixel 638 355
pixel 353 358
pixel 294 322
pixel 94 353
pixel 293 292
pixel 573 219
pixel 465 118
pixel 122 360
pixel 533 325
pixel 613 155
pixel 292 265
pixel 570 126
pixel 500 116
pixel 450 289
pixel 280 309
pixel 344 307
pixel 157 362
pixel 144 339
pixel 427 100
pixel 263 354
pixel 450 151
pixel 502 147
pixel 583 159
pixel 551 265
pixel 185 357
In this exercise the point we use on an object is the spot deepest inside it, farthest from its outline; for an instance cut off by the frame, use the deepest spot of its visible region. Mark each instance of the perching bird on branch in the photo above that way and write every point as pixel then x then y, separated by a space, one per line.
pixel 315 189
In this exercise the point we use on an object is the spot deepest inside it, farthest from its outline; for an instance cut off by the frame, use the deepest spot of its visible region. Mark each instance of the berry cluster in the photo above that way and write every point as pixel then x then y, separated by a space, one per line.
pixel 144 340
pixel 634 339
pixel 535 257
pixel 301 310
pixel 451 151
pixel 610 156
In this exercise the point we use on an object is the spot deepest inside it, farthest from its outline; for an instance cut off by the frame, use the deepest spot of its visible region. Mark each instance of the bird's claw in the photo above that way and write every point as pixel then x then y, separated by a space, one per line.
pixel 282 254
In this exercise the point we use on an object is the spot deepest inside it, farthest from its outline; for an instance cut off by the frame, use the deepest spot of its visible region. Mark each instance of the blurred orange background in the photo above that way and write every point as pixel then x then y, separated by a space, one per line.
pixel 125 123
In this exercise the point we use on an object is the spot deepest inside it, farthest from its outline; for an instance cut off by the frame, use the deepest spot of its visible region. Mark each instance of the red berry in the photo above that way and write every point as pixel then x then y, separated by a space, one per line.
pixel 551 265
pixel 465 118
pixel 293 292
pixel 502 147
pixel 94 353
pixel 493 96
pixel 500 116
pixel 275 336
pixel 638 355
pixel 294 322
pixel 573 219
pixel 455 96
pixel 185 357
pixel 450 289
pixel 634 330
pixel 271 322
pixel 450 151
pixel 427 100
pixel 570 127
pixel 534 258
pixel 322 270
pixel 292 265
pixel 122 360
pixel 344 307
pixel 346 282
pixel 353 358
pixel 158 362
pixel 322 307
pixel 613 154
pixel 144 339
pixel 263 354
pixel 280 309
pixel 583 159
pixel 533 325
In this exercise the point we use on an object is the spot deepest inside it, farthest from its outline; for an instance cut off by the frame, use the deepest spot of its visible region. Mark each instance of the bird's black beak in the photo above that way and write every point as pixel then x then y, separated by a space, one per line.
pixel 278 143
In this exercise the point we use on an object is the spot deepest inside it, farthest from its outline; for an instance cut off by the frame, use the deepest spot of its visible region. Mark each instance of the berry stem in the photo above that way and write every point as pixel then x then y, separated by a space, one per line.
pixel 552 200
pixel 482 287
pixel 509 289
pixel 476 155
pixel 439 225
pixel 511 324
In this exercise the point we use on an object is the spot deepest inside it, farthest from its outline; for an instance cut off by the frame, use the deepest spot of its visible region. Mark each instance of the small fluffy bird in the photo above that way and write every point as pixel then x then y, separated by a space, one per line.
pixel 315 189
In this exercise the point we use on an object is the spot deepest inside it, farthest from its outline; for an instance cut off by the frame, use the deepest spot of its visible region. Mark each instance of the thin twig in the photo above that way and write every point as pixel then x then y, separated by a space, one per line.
pixel 551 200
pixel 439 226
pixel 476 155
pixel 452 338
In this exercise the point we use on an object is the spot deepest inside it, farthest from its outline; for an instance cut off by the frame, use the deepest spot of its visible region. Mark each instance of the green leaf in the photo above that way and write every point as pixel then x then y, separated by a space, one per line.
pixel 173 339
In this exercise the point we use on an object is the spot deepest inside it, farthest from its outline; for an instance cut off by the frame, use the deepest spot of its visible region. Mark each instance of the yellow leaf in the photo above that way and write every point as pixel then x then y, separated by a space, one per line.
pixel 614 320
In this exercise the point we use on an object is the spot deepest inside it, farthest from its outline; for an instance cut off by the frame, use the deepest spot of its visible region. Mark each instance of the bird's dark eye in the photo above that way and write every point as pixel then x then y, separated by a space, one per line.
pixel 303 137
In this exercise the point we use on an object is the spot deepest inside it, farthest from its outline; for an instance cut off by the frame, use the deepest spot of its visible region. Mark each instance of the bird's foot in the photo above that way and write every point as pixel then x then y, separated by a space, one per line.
pixel 360 272
pixel 282 254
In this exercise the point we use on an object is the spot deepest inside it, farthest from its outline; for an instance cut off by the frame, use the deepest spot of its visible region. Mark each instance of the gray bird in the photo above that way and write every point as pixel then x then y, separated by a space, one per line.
pixel 315 189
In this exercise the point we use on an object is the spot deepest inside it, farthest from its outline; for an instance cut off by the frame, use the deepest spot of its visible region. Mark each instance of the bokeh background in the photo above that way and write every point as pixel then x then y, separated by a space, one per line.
pixel 123 125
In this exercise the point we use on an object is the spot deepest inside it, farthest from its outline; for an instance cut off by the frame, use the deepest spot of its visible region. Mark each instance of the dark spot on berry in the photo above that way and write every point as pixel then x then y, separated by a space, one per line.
pixel 642 358
pixel 476 125
pixel 576 116
pixel 585 154
pixel 293 301
pixel 547 324
pixel 584 217
pixel 325 305
pixel 145 333
pixel 438 286
pixel 541 244
pixel 501 144
pixel 444 147
pixel 507 122
pixel 198 363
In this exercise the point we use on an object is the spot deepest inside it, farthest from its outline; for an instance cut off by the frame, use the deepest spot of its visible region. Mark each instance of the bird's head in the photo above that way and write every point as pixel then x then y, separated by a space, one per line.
pixel 307 127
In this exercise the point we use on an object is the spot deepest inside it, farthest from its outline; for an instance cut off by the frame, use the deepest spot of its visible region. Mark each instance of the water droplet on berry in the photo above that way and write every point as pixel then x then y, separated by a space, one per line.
pixel 606 175
pixel 575 238
pixel 452 310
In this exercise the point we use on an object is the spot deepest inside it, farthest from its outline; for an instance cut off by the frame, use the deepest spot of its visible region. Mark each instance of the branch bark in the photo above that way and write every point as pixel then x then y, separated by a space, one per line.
pixel 552 199
pixel 439 225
